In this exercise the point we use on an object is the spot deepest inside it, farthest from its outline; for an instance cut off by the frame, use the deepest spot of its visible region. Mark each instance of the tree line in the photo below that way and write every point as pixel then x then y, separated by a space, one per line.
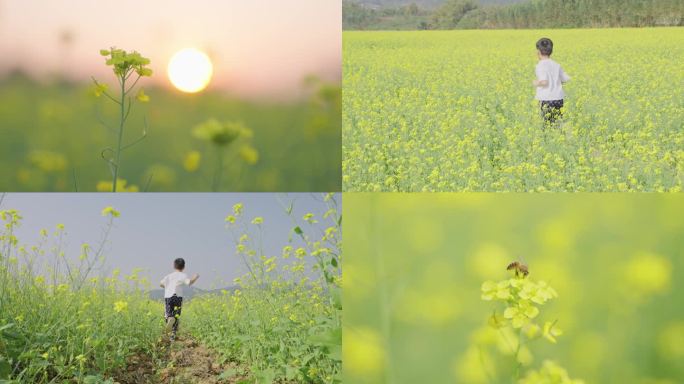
pixel 469 14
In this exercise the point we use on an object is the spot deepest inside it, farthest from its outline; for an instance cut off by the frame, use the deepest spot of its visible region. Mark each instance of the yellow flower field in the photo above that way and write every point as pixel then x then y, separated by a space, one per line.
pixel 455 111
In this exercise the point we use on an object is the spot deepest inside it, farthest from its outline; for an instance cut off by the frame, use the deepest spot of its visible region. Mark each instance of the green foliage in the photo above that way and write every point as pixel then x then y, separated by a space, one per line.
pixel 449 14
pixel 578 14
pixel 356 15
pixel 284 321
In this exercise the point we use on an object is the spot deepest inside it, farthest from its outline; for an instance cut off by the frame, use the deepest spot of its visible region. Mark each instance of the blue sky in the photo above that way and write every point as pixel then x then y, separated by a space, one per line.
pixel 155 228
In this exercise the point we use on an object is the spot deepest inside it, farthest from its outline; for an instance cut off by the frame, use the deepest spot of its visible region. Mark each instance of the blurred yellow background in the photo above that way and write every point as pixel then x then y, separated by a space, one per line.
pixel 416 262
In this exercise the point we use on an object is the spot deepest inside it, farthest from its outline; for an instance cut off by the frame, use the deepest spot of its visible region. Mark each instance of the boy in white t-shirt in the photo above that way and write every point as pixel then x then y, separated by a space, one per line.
pixel 173 294
pixel 549 82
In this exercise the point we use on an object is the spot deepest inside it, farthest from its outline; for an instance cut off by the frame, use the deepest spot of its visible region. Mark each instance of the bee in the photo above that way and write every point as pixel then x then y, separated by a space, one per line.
pixel 519 268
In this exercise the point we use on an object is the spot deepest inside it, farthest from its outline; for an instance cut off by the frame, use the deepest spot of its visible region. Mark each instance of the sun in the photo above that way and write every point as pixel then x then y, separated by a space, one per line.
pixel 190 70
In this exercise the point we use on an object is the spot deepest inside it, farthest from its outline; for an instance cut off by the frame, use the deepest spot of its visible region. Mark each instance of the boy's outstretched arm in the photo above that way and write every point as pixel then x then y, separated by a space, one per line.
pixel 540 83
pixel 564 76
pixel 194 278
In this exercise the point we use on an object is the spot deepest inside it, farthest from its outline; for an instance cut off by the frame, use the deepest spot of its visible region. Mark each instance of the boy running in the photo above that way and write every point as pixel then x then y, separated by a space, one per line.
pixel 549 82
pixel 173 294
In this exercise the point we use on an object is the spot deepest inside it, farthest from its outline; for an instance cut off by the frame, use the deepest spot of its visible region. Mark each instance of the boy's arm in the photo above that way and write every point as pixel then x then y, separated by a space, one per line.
pixel 564 76
pixel 542 78
pixel 194 278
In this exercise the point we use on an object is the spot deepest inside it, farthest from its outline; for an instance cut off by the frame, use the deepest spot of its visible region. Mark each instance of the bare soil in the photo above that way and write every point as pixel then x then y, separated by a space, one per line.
pixel 180 362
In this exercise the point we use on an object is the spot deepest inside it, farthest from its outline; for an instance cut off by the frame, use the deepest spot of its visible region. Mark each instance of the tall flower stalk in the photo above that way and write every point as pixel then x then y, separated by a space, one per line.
pixel 126 66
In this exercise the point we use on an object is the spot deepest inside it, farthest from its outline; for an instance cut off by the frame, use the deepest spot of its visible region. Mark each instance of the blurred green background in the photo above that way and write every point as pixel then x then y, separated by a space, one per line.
pixel 52 139
pixel 416 263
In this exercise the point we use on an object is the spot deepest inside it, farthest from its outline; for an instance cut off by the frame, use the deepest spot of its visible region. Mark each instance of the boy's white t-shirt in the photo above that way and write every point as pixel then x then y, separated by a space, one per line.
pixel 173 284
pixel 548 69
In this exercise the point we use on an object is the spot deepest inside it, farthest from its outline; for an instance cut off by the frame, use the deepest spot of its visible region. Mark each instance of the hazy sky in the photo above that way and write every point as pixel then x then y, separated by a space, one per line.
pixel 259 47
pixel 154 229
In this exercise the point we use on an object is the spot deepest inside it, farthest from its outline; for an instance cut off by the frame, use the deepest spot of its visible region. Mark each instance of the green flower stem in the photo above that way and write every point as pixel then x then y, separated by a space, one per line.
pixel 517 354
pixel 218 172
pixel 385 310
pixel 490 375
pixel 121 127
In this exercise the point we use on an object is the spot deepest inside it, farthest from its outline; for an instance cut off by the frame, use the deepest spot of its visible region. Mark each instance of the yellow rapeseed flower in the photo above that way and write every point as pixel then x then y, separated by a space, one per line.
pixel 109 211
pixel 191 162
pixel 363 353
pixel 120 306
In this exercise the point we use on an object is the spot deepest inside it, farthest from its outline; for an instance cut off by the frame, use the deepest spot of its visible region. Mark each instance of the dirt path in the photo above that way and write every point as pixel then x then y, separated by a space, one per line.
pixel 183 361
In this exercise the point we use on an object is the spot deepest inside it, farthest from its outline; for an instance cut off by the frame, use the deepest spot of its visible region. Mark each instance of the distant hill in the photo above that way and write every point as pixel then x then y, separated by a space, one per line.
pixel 406 14
pixel 190 292
pixel 425 3
pixel 398 3
pixel 505 14
pixel 577 14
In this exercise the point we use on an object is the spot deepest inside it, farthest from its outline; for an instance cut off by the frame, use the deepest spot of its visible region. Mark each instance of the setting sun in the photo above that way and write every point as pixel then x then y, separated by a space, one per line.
pixel 190 70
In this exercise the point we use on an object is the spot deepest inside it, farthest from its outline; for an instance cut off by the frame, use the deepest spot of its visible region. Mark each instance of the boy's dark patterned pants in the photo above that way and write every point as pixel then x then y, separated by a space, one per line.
pixel 551 110
pixel 173 309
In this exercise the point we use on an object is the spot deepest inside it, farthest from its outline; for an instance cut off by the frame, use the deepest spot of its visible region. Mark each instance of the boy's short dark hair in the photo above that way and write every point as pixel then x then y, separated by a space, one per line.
pixel 179 264
pixel 545 46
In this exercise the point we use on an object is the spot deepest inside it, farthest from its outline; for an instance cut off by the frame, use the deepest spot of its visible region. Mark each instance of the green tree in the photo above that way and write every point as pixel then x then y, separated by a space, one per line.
pixel 411 10
pixel 356 16
pixel 451 12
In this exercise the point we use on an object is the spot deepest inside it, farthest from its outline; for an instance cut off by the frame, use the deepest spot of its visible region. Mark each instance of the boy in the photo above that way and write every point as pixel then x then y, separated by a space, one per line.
pixel 549 82
pixel 173 294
